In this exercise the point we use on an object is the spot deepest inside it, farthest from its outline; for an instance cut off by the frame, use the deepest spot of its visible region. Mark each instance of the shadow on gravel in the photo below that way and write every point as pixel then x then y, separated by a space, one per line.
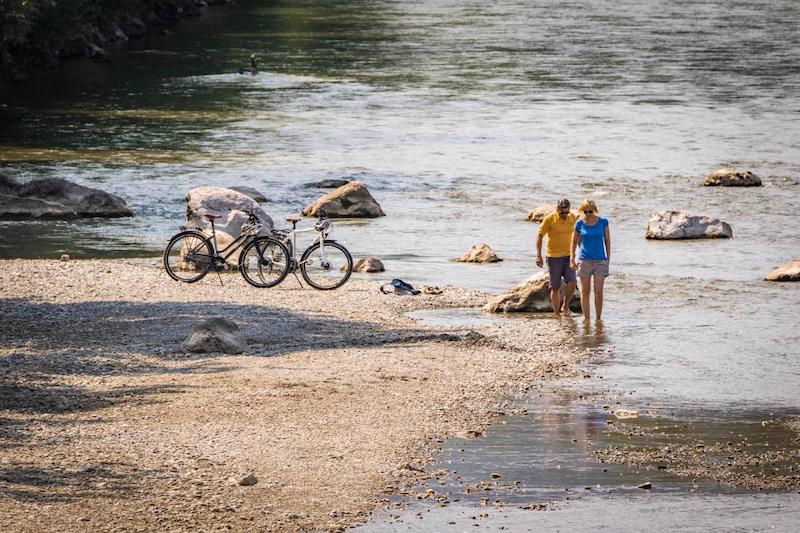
pixel 26 482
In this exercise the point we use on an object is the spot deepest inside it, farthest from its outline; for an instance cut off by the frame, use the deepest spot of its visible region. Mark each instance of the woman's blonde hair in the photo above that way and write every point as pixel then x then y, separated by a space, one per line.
pixel 586 203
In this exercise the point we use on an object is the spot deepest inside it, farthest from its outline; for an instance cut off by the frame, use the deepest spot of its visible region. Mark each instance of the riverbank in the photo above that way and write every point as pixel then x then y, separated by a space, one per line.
pixel 340 398
pixel 41 35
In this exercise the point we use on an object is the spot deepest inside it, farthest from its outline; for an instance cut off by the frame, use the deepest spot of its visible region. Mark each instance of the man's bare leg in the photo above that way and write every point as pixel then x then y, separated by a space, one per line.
pixel 570 288
pixel 555 299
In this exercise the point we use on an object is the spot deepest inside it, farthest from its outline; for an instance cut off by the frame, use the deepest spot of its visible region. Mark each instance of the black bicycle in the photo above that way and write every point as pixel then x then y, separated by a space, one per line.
pixel 263 262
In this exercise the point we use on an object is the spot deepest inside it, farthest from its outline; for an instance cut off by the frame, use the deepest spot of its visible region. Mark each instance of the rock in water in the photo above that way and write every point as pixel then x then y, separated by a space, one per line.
pixel 533 294
pixel 351 200
pixel 215 335
pixel 789 271
pixel 538 213
pixel 201 200
pixel 731 177
pixel 251 192
pixel 326 184
pixel 57 198
pixel 368 264
pixel 682 225
pixel 480 253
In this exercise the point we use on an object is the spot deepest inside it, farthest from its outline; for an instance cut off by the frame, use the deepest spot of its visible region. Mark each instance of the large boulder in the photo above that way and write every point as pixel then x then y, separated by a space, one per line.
pixel 533 294
pixel 59 199
pixel 215 335
pixel 731 177
pixel 480 253
pixel 369 265
pixel 538 213
pixel 232 204
pixel 682 225
pixel 348 201
pixel 789 271
pixel 16 208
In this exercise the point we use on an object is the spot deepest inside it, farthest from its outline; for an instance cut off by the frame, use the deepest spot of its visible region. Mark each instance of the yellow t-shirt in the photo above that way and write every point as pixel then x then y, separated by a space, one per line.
pixel 559 233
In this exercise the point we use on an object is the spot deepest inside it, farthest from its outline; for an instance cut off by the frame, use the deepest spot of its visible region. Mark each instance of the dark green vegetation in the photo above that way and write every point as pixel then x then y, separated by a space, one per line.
pixel 41 33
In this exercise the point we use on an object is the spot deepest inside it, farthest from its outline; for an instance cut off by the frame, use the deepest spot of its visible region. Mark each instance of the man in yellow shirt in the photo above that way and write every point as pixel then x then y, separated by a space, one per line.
pixel 558 226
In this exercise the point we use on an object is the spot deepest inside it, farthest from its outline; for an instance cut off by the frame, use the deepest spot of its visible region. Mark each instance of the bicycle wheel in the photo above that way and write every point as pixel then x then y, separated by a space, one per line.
pixel 188 257
pixel 264 262
pixel 328 270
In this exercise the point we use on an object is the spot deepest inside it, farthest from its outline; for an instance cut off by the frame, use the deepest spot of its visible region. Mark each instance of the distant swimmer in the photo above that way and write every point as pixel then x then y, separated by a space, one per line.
pixel 253 65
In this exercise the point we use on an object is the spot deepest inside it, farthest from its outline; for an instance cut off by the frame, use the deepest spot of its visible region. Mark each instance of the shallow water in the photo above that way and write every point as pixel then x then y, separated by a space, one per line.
pixel 461 117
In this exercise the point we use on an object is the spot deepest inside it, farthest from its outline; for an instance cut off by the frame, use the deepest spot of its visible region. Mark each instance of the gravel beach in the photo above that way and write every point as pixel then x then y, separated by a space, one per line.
pixel 107 424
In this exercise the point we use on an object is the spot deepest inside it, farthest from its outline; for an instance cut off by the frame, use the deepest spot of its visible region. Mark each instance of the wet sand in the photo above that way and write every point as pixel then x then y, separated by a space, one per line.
pixel 105 422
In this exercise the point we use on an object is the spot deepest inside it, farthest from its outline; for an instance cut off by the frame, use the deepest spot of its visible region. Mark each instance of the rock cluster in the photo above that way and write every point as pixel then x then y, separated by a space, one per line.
pixel 731 177
pixel 251 192
pixel 55 198
pixel 683 225
pixel 479 253
pixel 533 294
pixel 789 271
pixel 350 200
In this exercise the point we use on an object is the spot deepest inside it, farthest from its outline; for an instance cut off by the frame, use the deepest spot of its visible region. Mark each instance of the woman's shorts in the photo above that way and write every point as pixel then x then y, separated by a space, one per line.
pixel 559 268
pixel 589 267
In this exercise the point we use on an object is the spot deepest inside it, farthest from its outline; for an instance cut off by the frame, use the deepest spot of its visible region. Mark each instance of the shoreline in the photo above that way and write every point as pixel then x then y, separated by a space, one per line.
pixel 339 397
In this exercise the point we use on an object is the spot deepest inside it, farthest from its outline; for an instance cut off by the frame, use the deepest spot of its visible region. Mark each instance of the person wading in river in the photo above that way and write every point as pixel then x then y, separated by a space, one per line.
pixel 558 226
pixel 592 238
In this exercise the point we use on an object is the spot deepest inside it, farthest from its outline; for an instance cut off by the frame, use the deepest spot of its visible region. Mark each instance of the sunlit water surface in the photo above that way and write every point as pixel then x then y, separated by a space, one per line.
pixel 461 117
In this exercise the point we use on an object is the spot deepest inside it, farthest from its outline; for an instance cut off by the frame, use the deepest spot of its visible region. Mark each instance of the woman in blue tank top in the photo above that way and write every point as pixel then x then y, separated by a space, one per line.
pixel 592 239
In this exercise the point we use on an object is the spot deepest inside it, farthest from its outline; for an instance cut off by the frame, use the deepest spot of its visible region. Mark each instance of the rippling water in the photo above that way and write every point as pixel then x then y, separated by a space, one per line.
pixel 461 117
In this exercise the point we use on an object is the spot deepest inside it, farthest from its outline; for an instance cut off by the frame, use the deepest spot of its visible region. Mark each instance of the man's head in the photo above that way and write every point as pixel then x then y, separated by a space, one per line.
pixel 562 208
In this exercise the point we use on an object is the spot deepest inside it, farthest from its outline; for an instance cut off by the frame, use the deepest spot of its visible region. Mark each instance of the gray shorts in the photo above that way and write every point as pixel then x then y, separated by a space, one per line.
pixel 589 267
pixel 559 268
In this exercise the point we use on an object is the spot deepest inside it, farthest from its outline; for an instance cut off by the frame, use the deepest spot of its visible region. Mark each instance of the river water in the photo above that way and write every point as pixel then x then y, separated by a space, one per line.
pixel 461 116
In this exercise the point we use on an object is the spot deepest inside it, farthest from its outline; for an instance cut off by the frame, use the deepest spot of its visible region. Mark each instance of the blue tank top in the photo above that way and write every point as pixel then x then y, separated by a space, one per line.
pixel 593 244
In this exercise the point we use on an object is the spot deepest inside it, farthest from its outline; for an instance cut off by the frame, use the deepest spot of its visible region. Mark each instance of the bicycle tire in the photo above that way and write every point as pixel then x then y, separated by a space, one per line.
pixel 252 262
pixel 346 269
pixel 194 245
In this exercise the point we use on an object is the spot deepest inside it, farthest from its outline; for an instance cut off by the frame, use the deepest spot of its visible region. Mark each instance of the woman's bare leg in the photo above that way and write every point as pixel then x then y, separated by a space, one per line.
pixel 586 286
pixel 599 281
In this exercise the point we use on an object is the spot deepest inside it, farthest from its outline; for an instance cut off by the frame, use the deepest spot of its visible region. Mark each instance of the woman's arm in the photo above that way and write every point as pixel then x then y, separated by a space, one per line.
pixel 608 243
pixel 576 240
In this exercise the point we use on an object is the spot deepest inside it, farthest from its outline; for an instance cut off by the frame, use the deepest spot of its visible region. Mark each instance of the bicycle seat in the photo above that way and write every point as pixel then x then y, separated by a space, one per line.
pixel 293 218
pixel 213 215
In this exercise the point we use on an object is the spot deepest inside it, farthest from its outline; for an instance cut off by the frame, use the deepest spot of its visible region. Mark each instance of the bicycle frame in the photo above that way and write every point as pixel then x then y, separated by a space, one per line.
pixel 291 237
pixel 237 243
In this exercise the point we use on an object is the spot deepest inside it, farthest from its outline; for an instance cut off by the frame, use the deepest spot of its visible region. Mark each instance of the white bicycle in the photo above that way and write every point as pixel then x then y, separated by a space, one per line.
pixel 325 264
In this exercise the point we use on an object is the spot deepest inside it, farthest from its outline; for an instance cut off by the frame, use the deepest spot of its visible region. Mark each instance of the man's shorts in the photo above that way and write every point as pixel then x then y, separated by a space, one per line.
pixel 589 267
pixel 559 268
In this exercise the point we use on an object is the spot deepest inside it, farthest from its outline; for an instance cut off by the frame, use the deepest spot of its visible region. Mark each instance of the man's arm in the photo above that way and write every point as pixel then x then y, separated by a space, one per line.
pixel 576 239
pixel 539 239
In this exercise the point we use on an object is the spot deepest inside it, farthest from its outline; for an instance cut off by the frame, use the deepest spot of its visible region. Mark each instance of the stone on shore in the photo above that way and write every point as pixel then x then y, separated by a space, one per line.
pixel 368 264
pixel 479 253
pixel 731 177
pixel 202 200
pixel 789 271
pixel 533 294
pixel 538 213
pixel 56 198
pixel 326 184
pixel 215 335
pixel 251 192
pixel 348 201
pixel 683 225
